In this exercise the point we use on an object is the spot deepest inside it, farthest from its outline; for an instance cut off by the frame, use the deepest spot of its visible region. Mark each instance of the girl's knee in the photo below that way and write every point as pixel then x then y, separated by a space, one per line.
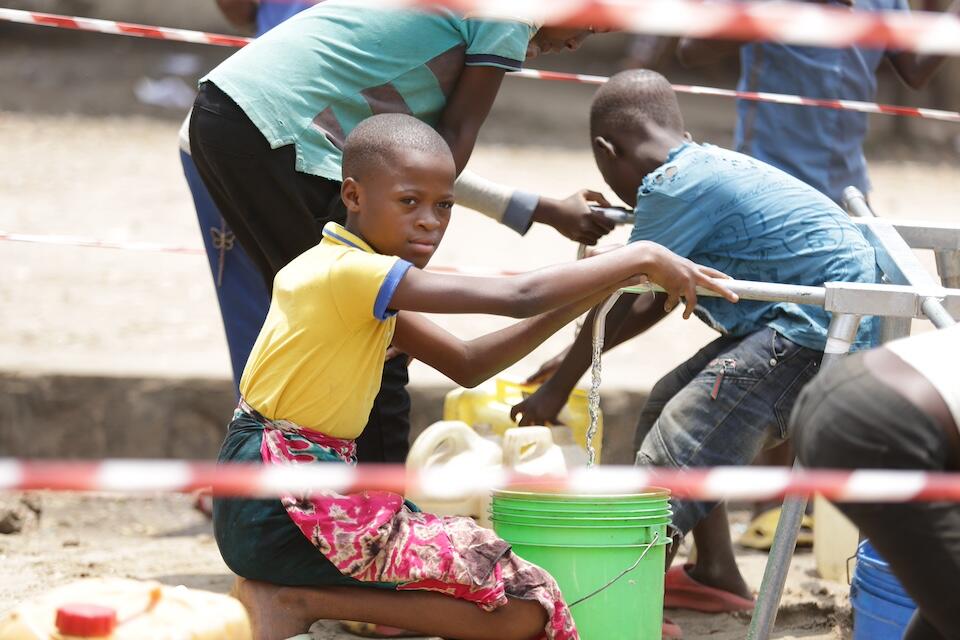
pixel 528 619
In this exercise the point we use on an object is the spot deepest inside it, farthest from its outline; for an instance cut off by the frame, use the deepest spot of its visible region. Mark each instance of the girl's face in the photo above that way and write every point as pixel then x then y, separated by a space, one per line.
pixel 556 39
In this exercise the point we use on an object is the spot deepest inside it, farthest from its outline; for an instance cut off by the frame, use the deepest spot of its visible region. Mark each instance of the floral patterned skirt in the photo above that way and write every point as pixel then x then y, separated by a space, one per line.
pixel 371 538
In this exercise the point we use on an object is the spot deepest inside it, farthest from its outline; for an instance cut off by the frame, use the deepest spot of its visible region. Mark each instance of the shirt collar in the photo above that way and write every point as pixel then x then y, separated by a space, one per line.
pixel 337 234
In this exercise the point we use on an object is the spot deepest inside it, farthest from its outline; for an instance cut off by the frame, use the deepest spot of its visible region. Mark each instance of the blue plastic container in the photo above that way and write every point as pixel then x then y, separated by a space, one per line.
pixel 882 609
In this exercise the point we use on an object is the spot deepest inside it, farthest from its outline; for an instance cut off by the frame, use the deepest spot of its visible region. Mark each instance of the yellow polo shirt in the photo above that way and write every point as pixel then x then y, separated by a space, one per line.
pixel 319 356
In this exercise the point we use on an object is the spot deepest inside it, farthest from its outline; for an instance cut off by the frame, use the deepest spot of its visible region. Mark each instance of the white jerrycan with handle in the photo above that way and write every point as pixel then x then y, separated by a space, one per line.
pixel 531 451
pixel 454 445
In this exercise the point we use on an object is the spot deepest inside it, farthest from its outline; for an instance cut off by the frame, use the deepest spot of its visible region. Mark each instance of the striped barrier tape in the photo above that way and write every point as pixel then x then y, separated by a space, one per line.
pixel 200 37
pixel 253 480
pixel 153 247
pixel 762 96
pixel 120 28
pixel 802 23
pixel 788 22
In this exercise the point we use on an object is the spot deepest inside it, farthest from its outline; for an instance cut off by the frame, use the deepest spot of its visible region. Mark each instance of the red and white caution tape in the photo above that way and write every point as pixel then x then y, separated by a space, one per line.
pixel 200 37
pixel 723 483
pixel 77 241
pixel 761 96
pixel 788 22
pixel 153 247
pixel 120 28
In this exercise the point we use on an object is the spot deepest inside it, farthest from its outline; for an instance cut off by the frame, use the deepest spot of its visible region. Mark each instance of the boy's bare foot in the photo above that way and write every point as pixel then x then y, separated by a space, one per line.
pixel 273 609
pixel 731 582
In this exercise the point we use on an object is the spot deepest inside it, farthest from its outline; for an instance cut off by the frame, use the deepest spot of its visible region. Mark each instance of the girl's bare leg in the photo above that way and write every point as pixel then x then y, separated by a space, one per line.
pixel 278 612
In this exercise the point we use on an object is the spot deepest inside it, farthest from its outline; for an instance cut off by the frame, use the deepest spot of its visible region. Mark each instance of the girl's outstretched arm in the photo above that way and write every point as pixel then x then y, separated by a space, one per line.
pixel 470 362
pixel 536 292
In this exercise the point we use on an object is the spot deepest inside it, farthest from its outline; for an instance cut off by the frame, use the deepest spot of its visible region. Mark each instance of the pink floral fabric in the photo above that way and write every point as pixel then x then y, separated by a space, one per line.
pixel 374 536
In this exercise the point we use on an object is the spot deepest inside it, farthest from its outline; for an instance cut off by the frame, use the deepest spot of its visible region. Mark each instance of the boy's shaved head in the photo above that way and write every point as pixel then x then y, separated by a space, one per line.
pixel 380 139
pixel 631 98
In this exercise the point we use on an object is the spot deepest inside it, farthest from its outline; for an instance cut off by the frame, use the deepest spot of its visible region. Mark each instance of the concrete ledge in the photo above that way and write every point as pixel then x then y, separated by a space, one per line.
pixel 69 416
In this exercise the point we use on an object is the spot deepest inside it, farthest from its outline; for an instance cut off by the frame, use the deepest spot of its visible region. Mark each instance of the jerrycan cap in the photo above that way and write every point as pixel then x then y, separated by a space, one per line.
pixel 86 620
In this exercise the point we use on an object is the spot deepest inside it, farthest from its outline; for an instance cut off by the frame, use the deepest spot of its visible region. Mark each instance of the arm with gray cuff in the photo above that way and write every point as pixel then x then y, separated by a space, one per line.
pixel 511 207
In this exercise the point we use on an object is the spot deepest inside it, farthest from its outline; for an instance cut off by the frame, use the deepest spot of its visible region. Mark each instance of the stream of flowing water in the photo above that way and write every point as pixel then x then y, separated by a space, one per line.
pixel 593 398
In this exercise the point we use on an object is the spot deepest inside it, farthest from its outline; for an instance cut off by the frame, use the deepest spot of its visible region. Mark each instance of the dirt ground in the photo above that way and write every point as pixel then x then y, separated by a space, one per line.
pixel 161 537
pixel 81 156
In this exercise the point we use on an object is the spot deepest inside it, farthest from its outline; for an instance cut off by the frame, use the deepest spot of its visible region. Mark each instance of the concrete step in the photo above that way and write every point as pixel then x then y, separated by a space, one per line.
pixel 92 416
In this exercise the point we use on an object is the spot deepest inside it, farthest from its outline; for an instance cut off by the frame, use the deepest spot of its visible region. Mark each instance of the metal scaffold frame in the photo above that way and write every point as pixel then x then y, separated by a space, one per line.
pixel 908 292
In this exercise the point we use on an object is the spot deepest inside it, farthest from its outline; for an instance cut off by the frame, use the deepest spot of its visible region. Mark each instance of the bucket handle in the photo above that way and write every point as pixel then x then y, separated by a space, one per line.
pixel 656 537
pixel 847 565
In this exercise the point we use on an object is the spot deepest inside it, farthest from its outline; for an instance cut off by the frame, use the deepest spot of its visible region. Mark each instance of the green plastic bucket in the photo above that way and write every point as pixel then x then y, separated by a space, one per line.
pixel 566 502
pixel 588 523
pixel 581 513
pixel 614 563
pixel 584 514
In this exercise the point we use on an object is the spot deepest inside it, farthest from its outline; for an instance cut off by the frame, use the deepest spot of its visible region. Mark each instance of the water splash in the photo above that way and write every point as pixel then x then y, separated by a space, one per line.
pixel 593 398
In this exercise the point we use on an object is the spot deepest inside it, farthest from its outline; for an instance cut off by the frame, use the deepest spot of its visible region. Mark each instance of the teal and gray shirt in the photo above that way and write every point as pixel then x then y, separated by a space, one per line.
pixel 311 80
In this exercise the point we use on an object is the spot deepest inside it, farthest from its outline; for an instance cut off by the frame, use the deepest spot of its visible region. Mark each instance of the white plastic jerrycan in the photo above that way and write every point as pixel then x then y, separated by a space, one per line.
pixel 120 609
pixel 531 451
pixel 456 446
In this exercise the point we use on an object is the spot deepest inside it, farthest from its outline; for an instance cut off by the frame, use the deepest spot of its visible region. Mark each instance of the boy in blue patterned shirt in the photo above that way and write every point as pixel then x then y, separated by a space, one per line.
pixel 752 221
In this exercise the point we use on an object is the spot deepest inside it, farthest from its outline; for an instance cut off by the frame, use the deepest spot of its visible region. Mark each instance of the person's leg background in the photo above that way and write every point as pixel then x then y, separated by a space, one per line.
pixel 277 213
pixel 387 434
pixel 847 419
pixel 241 293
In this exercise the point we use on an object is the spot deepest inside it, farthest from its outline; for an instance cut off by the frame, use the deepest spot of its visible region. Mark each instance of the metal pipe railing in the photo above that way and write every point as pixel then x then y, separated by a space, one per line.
pixel 948 266
pixel 751 290
pixel 898 261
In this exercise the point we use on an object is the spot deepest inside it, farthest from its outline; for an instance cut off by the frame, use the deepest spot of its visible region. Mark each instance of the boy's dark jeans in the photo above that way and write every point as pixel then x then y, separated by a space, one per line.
pixel 848 419
pixel 722 407
pixel 277 213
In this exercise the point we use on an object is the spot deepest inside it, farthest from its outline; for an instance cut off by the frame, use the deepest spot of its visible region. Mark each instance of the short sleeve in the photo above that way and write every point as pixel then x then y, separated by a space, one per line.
pixel 668 221
pixel 496 43
pixel 363 285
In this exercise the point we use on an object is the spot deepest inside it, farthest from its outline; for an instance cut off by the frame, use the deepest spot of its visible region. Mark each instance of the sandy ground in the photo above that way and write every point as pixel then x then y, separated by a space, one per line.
pixel 162 538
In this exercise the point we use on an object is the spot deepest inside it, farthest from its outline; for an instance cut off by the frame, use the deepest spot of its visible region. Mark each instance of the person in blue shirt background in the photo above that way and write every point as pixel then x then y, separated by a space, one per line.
pixel 752 221
pixel 239 285
pixel 822 147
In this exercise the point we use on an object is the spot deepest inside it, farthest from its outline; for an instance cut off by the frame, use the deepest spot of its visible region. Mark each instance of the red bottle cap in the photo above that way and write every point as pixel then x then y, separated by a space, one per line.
pixel 86 620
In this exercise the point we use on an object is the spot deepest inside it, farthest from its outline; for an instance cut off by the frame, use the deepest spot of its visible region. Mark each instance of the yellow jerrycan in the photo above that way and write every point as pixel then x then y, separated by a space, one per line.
pixel 489 404
pixel 120 609
pixel 453 443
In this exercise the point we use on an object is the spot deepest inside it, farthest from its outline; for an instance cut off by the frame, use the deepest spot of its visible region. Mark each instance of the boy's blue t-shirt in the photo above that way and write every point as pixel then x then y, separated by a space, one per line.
pixel 752 221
